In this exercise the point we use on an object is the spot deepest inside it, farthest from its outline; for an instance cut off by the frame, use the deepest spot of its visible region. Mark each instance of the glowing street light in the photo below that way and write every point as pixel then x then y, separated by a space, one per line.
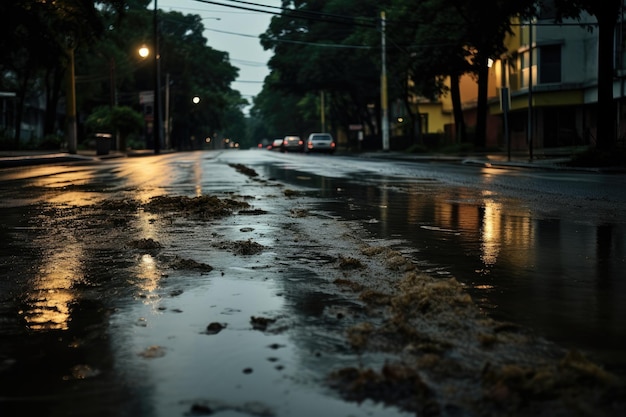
pixel 144 51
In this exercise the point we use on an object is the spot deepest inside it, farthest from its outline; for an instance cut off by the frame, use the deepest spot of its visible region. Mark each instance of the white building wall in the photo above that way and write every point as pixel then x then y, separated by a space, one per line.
pixel 579 48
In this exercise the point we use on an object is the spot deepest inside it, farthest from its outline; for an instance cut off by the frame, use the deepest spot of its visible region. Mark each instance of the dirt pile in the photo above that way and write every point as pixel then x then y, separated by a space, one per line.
pixel 451 359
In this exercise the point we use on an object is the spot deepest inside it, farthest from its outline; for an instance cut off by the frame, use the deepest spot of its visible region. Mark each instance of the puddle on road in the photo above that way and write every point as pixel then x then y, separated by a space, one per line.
pixel 237 370
pixel 559 274
pixel 127 328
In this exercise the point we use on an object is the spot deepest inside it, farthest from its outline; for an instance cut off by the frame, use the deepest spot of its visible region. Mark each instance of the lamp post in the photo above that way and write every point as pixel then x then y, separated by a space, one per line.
pixel 71 129
pixel 157 85
pixel 383 86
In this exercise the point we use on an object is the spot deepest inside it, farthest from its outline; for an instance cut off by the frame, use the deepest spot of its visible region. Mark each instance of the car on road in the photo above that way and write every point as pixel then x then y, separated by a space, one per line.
pixel 320 142
pixel 276 145
pixel 293 144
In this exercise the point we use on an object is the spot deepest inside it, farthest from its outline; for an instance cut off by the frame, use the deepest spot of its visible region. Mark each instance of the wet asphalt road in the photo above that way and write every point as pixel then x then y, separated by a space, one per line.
pixel 94 324
pixel 544 248
pixel 99 317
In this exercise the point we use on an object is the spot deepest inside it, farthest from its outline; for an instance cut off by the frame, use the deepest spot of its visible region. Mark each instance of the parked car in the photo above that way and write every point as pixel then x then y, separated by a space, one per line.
pixel 293 143
pixel 276 145
pixel 320 142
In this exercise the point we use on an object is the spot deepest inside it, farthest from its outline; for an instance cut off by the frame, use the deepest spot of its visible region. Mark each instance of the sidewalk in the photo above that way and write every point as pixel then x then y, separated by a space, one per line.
pixel 11 159
pixel 556 159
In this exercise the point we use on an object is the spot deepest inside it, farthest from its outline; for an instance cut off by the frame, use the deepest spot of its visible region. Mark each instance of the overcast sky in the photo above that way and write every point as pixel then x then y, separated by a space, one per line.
pixel 236 32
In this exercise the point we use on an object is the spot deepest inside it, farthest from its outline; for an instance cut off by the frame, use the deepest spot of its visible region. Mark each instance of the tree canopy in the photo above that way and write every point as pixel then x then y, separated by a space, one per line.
pixel 105 37
pixel 325 46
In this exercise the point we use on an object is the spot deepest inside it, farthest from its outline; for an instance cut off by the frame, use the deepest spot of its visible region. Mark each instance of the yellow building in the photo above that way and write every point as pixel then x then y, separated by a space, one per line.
pixel 549 75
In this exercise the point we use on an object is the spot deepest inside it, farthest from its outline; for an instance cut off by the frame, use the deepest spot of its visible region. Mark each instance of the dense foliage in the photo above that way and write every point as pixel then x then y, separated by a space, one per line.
pixel 324 46
pixel 104 37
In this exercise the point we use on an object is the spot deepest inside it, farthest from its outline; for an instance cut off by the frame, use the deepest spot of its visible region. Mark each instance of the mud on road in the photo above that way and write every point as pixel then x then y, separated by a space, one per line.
pixel 395 336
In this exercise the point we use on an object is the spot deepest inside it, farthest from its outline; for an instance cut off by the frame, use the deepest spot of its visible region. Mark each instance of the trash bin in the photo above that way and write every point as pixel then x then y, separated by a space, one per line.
pixel 103 143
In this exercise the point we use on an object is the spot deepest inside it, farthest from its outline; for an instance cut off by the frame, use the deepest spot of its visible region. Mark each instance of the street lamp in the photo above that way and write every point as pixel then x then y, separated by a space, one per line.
pixel 144 51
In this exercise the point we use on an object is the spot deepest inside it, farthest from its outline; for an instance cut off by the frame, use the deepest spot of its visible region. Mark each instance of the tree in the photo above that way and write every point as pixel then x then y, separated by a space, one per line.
pixel 35 39
pixel 279 109
pixel 185 55
pixel 484 25
pixel 322 46
pixel 427 42
pixel 434 49
pixel 34 58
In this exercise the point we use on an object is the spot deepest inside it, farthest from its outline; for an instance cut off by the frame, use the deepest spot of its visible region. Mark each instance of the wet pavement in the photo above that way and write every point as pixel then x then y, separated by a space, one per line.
pixel 113 306
pixel 100 317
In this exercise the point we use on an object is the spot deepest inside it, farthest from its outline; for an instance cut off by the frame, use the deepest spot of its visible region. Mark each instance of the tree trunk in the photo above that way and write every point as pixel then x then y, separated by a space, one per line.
pixel 457 110
pixel 21 105
pixel 605 137
pixel 480 139
pixel 412 132
pixel 53 88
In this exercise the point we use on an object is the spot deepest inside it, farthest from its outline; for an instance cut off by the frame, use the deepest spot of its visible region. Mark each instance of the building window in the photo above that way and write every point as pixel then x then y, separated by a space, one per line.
pixel 528 71
pixel 550 64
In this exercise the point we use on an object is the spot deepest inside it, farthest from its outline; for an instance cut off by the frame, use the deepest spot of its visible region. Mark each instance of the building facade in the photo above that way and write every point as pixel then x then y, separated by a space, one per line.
pixel 550 77
pixel 543 90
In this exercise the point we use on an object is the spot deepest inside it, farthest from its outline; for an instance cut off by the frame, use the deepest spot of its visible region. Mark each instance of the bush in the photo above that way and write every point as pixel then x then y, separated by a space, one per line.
pixel 121 119
pixel 100 120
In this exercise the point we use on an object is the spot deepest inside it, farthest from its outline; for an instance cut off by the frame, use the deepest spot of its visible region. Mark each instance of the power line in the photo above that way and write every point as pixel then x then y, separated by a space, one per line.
pixel 299 14
pixel 248 63
pixel 177 7
pixel 348 19
pixel 215 3
pixel 324 45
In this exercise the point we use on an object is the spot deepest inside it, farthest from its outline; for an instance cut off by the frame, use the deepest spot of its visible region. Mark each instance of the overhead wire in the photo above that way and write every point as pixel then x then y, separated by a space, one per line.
pixel 325 45
pixel 308 14
pixel 301 14
pixel 331 18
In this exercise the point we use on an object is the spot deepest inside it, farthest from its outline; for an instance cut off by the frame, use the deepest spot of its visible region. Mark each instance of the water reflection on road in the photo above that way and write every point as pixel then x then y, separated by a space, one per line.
pixel 560 276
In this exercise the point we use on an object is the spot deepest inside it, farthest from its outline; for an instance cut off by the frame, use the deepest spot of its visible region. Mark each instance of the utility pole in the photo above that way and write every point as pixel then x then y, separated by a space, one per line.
pixel 529 128
pixel 322 111
pixel 157 85
pixel 70 105
pixel 383 87
pixel 504 104
pixel 167 111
